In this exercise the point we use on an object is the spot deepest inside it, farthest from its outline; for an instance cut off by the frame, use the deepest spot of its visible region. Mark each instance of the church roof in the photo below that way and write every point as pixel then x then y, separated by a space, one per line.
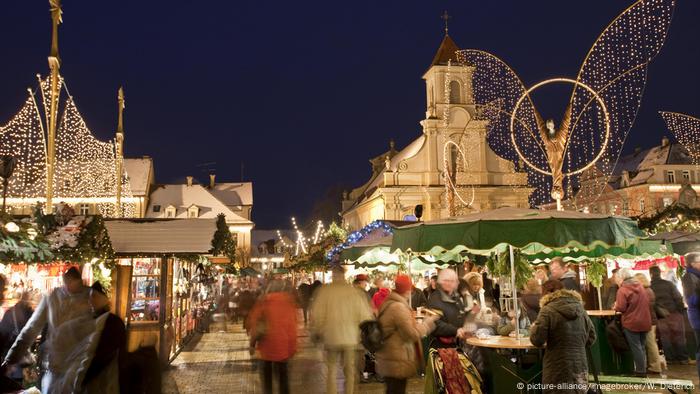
pixel 447 51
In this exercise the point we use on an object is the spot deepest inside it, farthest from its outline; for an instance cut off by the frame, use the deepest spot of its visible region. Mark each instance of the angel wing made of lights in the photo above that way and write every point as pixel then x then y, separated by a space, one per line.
pixel 686 129
pixel 615 69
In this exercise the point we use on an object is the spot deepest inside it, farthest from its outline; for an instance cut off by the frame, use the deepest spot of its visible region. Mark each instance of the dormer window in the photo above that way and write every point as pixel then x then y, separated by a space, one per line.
pixel 156 208
pixel 193 212
pixel 170 211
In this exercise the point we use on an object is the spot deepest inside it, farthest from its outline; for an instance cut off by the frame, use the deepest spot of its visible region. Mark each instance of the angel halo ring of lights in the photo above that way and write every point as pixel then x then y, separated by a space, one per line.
pixel 448 178
pixel 598 99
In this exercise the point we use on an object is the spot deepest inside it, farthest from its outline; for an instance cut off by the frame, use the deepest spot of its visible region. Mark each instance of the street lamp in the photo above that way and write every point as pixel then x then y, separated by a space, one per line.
pixel 7 167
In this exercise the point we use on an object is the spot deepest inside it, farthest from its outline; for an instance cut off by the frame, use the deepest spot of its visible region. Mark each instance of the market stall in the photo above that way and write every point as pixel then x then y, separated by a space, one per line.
pixel 160 286
pixel 509 235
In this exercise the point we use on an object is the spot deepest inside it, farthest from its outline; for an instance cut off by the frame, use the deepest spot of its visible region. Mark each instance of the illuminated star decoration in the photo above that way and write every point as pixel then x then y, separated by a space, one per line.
pixel 686 129
pixel 615 68
pixel 85 166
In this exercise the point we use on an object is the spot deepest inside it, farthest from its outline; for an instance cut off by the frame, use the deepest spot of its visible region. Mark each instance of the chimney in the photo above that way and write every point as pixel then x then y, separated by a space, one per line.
pixel 664 141
pixel 212 180
pixel 189 181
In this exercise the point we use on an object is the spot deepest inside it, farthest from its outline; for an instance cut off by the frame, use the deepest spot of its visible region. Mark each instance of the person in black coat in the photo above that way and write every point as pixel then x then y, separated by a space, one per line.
pixel 447 301
pixel 112 343
pixel 671 319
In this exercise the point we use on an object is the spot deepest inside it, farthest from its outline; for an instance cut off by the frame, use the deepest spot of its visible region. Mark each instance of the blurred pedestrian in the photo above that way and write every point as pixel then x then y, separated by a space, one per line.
pixel 691 292
pixel 106 371
pixel 563 273
pixel 398 359
pixel 273 332
pixel 431 287
pixel 65 313
pixel 671 322
pixel 13 321
pixel 633 302
pixel 447 301
pixel 564 329
pixel 417 298
pixel 610 288
pixel 530 298
pixel 336 314
pixel 653 357
pixel 305 298
pixel 378 283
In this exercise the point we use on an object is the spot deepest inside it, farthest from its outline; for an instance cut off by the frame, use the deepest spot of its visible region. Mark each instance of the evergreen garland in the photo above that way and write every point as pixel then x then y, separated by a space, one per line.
pixel 499 266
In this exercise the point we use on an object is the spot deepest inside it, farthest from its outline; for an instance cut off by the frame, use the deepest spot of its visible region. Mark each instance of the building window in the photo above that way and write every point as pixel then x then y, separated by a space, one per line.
pixel 84 209
pixel 455 93
pixel 66 182
pixel 625 207
pixel 145 290
pixel 642 206
pixel 667 201
pixel 686 176
pixel 156 208
pixel 170 212
pixel 670 177
pixel 193 212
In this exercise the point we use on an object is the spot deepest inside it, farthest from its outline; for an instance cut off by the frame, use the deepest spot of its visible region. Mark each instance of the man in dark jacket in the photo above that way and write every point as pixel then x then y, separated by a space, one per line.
pixel 669 302
pixel 563 274
pixel 447 301
pixel 432 286
pixel 691 292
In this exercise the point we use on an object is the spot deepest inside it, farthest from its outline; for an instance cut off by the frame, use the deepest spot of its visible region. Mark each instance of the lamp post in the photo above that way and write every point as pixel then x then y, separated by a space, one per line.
pixel 7 167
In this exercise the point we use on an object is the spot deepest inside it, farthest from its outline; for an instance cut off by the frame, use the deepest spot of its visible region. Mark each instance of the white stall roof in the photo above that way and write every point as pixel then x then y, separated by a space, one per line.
pixel 161 236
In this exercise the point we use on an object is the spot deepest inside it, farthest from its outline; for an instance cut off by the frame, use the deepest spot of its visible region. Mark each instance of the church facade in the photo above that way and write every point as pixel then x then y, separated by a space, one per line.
pixel 452 149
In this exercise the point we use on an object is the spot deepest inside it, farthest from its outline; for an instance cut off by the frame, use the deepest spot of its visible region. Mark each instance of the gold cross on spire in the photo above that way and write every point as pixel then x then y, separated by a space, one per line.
pixel 446 17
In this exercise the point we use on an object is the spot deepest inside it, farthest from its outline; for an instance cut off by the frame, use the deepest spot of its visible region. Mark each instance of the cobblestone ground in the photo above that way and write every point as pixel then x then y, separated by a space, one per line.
pixel 218 362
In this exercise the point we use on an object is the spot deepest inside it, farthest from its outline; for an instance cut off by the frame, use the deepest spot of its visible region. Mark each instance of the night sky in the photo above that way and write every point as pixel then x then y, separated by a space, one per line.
pixel 303 93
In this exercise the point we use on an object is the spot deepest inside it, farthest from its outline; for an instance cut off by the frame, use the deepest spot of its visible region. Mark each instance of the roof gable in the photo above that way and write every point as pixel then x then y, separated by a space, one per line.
pixel 183 197
pixel 446 51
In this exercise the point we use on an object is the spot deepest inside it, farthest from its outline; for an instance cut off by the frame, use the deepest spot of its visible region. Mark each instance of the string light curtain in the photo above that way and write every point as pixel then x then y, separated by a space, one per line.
pixel 615 68
pixel 686 129
pixel 85 166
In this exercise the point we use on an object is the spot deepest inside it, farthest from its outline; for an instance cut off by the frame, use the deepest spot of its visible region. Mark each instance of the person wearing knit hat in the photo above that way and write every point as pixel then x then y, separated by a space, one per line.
pixel 394 363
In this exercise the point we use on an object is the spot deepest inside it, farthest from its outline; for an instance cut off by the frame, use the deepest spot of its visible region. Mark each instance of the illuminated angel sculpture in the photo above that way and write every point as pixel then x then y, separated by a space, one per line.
pixel 686 129
pixel 603 105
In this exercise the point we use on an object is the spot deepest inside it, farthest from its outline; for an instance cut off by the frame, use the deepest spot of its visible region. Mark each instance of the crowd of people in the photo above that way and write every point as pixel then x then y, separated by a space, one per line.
pixel 81 345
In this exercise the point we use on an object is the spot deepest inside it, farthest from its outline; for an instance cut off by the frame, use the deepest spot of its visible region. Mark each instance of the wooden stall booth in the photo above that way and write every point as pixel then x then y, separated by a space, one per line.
pixel 155 290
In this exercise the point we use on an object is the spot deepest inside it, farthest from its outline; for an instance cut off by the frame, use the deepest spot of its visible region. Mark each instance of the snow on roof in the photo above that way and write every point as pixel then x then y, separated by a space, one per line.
pixel 234 194
pixel 161 236
pixel 182 197
pixel 139 171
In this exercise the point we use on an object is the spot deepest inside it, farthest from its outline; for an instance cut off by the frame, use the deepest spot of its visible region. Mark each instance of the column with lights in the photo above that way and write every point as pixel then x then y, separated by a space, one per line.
pixel 54 65
pixel 120 151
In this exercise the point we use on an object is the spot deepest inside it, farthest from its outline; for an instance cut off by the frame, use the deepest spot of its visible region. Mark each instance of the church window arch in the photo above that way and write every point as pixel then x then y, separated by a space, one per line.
pixel 455 92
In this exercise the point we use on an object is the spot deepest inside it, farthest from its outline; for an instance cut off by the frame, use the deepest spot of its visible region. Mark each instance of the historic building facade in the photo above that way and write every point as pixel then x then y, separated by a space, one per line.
pixel 416 175
pixel 642 183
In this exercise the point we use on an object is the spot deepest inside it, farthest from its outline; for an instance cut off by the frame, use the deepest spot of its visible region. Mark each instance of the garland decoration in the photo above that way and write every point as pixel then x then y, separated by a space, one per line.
pixel 499 266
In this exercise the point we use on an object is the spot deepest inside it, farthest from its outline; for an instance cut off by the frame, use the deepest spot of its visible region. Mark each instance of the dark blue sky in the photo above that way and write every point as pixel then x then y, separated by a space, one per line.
pixel 303 92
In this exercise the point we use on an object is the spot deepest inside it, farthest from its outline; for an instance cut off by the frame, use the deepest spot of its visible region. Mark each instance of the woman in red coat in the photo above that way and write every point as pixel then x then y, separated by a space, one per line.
pixel 273 331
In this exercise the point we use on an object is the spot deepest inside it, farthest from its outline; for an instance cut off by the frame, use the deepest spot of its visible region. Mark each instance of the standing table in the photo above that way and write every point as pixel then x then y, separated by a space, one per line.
pixel 608 361
pixel 506 375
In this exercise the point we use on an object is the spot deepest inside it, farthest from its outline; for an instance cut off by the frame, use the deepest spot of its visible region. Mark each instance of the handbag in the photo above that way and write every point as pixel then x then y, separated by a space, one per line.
pixel 661 312
pixel 616 337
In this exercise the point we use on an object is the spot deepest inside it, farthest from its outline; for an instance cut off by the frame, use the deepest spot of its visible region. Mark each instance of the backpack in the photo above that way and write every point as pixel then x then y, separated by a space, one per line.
pixel 371 333
pixel 616 338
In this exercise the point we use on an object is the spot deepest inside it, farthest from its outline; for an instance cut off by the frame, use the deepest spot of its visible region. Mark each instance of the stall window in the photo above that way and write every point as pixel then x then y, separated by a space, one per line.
pixel 145 290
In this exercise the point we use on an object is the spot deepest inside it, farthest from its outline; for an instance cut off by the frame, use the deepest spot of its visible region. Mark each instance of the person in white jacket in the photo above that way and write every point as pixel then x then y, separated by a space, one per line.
pixel 66 315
